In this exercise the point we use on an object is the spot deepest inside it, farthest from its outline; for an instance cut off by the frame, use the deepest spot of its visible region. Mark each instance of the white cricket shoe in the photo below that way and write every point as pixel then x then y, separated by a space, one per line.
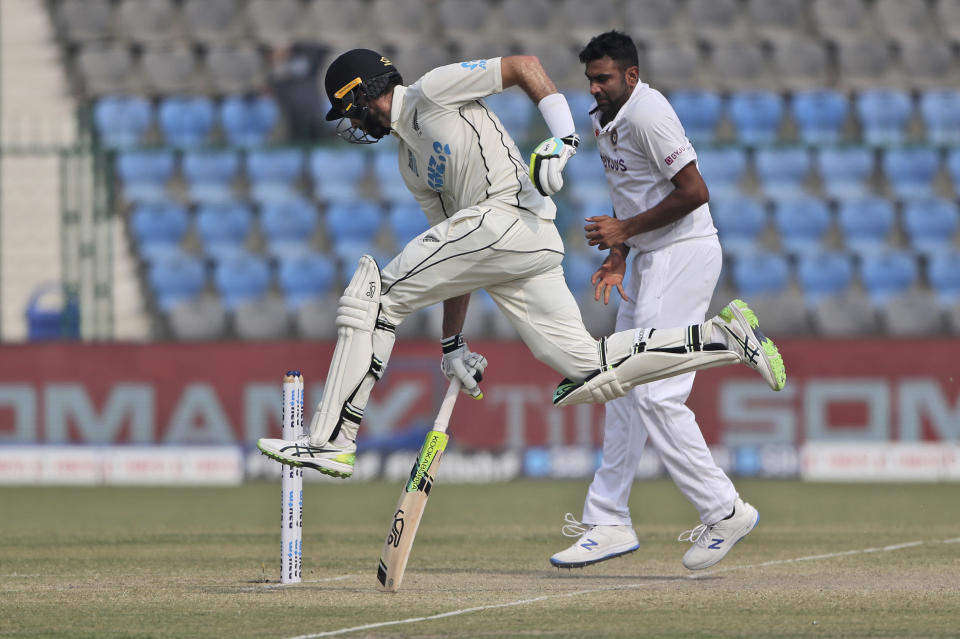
pixel 329 459
pixel 712 543
pixel 596 543
pixel 756 350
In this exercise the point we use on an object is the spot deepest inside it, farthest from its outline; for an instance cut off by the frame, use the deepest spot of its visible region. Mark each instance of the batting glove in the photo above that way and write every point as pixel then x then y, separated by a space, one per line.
pixel 458 362
pixel 548 160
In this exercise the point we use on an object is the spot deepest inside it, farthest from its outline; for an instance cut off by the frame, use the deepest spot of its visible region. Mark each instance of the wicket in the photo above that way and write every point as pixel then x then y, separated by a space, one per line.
pixel 291 484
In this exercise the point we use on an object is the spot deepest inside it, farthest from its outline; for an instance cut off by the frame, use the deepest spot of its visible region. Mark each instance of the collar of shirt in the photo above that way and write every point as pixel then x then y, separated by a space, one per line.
pixel 398 92
pixel 621 114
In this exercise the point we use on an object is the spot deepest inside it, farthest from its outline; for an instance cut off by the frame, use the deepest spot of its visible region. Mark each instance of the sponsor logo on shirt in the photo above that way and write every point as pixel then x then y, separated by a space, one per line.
pixel 673 156
pixel 437 166
pixel 613 164
pixel 474 64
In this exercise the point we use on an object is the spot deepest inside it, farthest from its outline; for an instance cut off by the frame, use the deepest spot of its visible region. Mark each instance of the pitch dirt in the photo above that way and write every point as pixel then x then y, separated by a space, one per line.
pixel 826 561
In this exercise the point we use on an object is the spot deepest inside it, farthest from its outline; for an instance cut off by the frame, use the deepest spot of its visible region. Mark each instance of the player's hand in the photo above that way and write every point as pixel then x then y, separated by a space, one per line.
pixel 460 363
pixel 604 231
pixel 548 160
pixel 610 276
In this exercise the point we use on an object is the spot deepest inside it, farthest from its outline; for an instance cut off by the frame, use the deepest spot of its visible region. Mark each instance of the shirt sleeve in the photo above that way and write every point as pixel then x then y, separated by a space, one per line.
pixel 456 84
pixel 663 139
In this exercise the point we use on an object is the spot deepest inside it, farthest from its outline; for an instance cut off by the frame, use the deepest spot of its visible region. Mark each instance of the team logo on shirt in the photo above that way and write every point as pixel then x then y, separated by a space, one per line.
pixel 614 136
pixel 416 124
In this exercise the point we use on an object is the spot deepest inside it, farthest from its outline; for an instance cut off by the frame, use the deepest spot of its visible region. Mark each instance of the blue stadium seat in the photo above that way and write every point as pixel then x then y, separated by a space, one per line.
pixel 406 221
pixel 820 115
pixel 241 278
pixel 578 268
pixel 930 224
pixel 352 228
pixel 158 228
pixel 581 103
pixel 953 168
pixel 389 181
pixel 586 181
pixel 223 228
pixel 176 277
pixel 722 169
pixel 515 111
pixel 845 172
pixel 802 224
pixel 824 274
pixel 288 225
pixel 943 273
pixel 940 110
pixel 756 116
pixel 883 115
pixel 887 274
pixel 336 173
pixel 121 121
pixel 209 175
pixel 739 221
pixel 186 121
pixel 699 112
pixel 248 121
pixel 911 171
pixel 145 174
pixel 274 173
pixel 761 273
pixel 866 223
pixel 782 172
pixel 305 277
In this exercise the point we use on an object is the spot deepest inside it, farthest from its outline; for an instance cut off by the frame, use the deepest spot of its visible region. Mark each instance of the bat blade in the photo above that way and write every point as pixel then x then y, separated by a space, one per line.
pixel 409 511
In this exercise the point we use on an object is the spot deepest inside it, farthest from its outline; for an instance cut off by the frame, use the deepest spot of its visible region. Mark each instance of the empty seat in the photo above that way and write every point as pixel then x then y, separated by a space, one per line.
pixel 305 277
pixel 145 174
pixel 241 278
pixel 248 121
pixel 866 223
pixel 581 21
pixel 914 313
pixel 756 116
pixel 740 221
pixel 406 20
pixel 845 173
pixel 83 21
pixel 415 57
pixel 722 170
pixel 406 221
pixel 928 64
pixel 739 65
pixel 905 22
pixel 288 225
pixel 515 110
pixel 389 180
pixel 776 20
pixel 911 171
pixel 802 223
pixel 672 66
pixel 316 319
pixel 824 274
pixel 106 69
pixel 866 62
pixel 209 175
pixel 121 122
pixel 186 121
pixel 848 315
pixel 930 224
pixel 578 268
pixel 274 173
pixel 782 172
pixel 783 314
pixel 953 168
pixel 223 229
pixel 235 68
pixel 273 21
pixel 819 115
pixel 261 319
pixel 715 21
pixel 337 173
pixel 340 25
pixel 948 18
pixel 352 228
pixel 761 273
pixel 651 21
pixel 883 115
pixel 526 19
pixel 176 277
pixel 841 19
pixel 149 21
pixel 887 274
pixel 699 112
pixel 943 273
pixel 198 319
pixel 800 63
pixel 940 110
pixel 171 70
pixel 158 228
pixel 581 103
pixel 214 21
pixel 586 182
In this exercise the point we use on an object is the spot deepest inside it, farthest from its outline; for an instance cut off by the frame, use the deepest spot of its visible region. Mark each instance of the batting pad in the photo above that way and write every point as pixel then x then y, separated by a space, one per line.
pixel 352 356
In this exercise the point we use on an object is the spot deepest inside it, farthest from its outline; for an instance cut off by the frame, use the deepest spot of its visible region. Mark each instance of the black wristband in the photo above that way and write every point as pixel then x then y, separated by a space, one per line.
pixel 452 343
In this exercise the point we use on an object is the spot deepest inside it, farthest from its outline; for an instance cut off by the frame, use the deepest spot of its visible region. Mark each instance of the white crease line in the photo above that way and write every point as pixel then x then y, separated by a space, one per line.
pixel 20 574
pixel 521 602
pixel 310 581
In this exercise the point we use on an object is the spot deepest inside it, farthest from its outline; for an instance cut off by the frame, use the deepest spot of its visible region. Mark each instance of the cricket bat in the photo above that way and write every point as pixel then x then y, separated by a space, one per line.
pixel 413 498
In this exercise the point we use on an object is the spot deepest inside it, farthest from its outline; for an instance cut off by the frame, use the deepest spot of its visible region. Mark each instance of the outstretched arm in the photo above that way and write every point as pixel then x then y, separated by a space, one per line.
pixel 526 72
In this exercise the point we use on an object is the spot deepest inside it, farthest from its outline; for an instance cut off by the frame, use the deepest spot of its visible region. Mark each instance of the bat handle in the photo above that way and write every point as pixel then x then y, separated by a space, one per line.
pixel 446 408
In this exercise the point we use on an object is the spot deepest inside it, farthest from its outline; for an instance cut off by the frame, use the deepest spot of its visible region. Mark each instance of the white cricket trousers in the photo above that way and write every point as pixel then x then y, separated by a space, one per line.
pixel 516 257
pixel 671 286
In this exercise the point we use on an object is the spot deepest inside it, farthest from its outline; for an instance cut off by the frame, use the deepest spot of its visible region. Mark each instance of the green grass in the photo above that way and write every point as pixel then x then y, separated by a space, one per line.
pixel 203 562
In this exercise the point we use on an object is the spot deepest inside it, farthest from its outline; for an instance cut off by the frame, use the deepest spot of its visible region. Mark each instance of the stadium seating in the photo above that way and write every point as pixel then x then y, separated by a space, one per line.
pixel 145 174
pixel 159 228
pixel 911 171
pixel 305 277
pixel 352 228
pixel 186 121
pixel 246 121
pixel 263 318
pixel 940 110
pixel 288 225
pixel 756 116
pixel 803 223
pixel 241 278
pixel 121 121
pixel 213 21
pixel 782 172
pixel 274 173
pixel 578 268
pixel 799 63
pixel 824 274
pixel 761 273
pixel 515 111
pixel 406 221
pixel 174 278
pixel 209 175
pixel 930 224
pixel 739 221
pixel 953 168
pixel 887 274
pixel 723 169
pixel 223 229
pixel 337 174
pixel 820 115
pixel 699 112
pixel 170 70
pixel 866 224
pixel 943 273
pixel 845 172
pixel 883 115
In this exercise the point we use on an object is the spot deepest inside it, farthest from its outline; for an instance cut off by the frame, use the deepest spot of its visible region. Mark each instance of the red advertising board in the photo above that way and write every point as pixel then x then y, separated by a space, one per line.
pixel 217 393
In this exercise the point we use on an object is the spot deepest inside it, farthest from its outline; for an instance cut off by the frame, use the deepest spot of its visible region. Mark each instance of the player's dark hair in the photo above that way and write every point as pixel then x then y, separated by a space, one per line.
pixel 615 45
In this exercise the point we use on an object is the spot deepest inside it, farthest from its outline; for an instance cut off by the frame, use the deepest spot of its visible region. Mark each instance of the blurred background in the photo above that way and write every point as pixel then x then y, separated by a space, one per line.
pixel 177 222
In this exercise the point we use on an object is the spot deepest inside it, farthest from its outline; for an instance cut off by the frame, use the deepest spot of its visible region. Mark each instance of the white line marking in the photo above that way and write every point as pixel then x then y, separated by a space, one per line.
pixel 521 602
pixel 306 581
pixel 20 574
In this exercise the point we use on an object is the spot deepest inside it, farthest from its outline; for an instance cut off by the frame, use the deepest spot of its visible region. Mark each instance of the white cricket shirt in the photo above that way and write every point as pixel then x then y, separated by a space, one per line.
pixel 454 152
pixel 642 148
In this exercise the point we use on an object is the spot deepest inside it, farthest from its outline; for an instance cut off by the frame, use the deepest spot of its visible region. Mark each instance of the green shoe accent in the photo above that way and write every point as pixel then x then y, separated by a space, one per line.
pixel 727 315
pixel 776 362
